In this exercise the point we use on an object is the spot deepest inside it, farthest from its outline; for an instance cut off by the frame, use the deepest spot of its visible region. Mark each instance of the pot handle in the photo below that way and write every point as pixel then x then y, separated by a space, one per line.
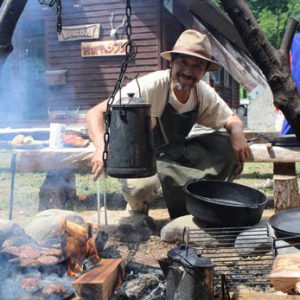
pixel 236 170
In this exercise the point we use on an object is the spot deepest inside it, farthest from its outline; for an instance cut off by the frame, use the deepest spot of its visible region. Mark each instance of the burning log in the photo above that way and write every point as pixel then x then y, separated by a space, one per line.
pixel 100 282
pixel 78 245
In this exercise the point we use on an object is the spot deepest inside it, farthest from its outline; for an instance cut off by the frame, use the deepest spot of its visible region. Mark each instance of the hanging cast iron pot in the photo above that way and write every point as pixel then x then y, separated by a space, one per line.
pixel 131 146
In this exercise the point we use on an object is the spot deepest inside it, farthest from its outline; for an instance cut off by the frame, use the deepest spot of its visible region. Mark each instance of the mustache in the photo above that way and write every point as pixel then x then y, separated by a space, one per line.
pixel 183 73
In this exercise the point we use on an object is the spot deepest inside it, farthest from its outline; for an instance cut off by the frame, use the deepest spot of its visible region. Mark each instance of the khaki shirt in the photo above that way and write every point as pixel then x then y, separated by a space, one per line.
pixel 213 110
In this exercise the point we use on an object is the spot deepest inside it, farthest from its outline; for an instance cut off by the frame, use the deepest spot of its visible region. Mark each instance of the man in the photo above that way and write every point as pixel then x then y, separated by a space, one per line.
pixel 179 99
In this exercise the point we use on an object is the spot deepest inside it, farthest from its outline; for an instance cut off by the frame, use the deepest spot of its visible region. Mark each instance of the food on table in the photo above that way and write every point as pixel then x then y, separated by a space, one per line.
pixel 75 140
pixel 28 140
pixel 20 139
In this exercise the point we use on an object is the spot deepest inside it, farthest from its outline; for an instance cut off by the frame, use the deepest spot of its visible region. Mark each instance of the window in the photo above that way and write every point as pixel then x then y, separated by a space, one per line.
pixel 226 79
pixel 216 77
pixel 168 4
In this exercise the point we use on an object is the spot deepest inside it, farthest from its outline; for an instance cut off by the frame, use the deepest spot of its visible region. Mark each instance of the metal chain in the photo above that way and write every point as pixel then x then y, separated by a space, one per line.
pixel 130 50
pixel 58 10
pixel 59 19
pixel 45 2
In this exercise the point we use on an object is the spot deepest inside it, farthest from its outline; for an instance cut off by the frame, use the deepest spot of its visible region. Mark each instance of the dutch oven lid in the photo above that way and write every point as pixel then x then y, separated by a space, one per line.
pixel 129 102
pixel 287 221
pixel 197 261
pixel 179 252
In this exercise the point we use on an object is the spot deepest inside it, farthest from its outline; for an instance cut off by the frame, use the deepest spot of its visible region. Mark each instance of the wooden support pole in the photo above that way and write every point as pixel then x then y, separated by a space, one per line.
pixel 58 190
pixel 286 193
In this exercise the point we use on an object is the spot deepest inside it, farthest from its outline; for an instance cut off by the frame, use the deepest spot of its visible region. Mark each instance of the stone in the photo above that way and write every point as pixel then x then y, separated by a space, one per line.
pixel 248 242
pixel 173 231
pixel 45 227
pixel 8 229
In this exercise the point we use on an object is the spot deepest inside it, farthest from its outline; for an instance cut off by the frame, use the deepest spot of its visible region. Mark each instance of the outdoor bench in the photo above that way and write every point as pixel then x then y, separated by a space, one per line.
pixel 284 160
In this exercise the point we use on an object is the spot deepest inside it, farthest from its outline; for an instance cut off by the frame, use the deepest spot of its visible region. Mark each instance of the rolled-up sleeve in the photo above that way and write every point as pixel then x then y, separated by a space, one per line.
pixel 213 110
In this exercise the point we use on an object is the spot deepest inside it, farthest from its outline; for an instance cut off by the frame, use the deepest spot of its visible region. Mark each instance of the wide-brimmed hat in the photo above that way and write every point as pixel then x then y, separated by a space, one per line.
pixel 194 43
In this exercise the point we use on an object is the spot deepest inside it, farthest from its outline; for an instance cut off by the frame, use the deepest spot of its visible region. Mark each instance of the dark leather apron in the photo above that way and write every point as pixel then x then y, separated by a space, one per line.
pixel 179 160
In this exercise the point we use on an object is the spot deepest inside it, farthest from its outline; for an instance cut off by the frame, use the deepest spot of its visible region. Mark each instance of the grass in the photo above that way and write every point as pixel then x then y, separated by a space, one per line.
pixel 27 185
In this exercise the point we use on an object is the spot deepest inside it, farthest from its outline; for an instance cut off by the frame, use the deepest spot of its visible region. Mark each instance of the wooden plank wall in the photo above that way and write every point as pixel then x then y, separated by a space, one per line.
pixel 171 29
pixel 92 79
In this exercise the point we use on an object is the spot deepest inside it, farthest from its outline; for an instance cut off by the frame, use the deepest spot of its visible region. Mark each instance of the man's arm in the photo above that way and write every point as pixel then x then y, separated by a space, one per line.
pixel 239 144
pixel 95 124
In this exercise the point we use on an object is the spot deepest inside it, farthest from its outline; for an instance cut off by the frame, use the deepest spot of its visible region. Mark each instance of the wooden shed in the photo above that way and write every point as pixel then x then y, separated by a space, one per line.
pixel 64 75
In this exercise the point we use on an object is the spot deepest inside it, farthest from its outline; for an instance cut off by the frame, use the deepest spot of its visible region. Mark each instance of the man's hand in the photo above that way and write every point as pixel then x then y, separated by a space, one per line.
pixel 95 123
pixel 240 146
pixel 238 141
pixel 97 164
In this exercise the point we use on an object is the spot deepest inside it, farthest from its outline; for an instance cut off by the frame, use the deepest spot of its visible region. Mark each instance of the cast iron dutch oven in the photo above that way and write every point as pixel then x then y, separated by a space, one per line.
pixel 286 224
pixel 224 204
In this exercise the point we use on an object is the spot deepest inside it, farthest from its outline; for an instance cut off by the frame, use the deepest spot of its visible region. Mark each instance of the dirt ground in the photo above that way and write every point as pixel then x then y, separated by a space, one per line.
pixel 148 251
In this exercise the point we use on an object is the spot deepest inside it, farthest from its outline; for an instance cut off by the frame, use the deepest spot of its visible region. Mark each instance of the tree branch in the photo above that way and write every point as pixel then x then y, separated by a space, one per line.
pixel 273 63
pixel 288 35
pixel 258 45
pixel 9 17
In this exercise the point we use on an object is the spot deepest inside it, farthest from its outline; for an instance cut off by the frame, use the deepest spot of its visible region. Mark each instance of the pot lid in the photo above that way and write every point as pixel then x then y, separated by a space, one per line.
pixel 181 252
pixel 197 261
pixel 130 101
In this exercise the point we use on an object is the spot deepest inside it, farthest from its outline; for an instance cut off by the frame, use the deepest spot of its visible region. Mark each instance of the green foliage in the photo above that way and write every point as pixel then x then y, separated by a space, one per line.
pixel 272 16
pixel 217 2
pixel 296 14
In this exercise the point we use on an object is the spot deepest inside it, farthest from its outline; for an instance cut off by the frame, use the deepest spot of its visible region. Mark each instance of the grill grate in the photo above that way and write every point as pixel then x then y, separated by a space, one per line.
pixel 230 254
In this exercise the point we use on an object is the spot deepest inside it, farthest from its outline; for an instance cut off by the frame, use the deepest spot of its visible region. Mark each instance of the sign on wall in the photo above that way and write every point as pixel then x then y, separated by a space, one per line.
pixel 79 32
pixel 103 48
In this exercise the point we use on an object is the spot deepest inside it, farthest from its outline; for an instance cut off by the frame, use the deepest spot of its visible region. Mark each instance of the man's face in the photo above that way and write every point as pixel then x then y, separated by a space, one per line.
pixel 187 70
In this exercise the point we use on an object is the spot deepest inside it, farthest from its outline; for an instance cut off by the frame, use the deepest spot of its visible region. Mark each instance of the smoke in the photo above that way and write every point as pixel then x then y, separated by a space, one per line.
pixel 32 285
pixel 22 87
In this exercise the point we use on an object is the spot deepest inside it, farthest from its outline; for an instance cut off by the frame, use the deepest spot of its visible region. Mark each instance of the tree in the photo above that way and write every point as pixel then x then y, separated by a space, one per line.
pixel 273 63
pixel 272 16
pixel 9 17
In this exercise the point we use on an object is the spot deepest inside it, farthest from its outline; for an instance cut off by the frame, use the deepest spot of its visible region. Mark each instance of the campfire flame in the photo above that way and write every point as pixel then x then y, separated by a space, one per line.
pixel 73 268
pixel 78 245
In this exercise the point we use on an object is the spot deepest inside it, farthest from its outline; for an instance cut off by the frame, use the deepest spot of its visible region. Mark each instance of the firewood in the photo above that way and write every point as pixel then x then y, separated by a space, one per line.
pixel 297 287
pixel 285 272
pixel 245 293
pixel 100 282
